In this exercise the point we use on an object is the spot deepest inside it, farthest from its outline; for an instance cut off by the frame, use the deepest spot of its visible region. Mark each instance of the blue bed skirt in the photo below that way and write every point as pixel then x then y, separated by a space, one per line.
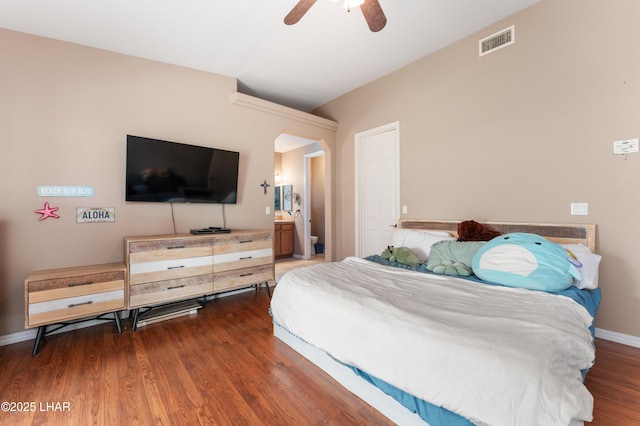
pixel 439 416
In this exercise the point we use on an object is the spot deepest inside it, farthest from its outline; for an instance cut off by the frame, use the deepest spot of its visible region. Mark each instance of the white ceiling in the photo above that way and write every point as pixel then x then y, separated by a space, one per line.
pixel 285 142
pixel 328 53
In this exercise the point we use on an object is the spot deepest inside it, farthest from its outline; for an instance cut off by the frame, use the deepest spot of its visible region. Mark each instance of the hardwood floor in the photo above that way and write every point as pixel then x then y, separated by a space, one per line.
pixel 614 382
pixel 221 366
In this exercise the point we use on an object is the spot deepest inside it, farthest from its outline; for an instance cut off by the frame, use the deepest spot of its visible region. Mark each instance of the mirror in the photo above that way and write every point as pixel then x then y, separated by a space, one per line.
pixel 287 196
pixel 276 199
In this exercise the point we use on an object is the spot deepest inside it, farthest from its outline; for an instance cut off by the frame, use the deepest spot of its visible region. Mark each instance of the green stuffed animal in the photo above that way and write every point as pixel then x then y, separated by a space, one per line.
pixel 401 255
pixel 450 267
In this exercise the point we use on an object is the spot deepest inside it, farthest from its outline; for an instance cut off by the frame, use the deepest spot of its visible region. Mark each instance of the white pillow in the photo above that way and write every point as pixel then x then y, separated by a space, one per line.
pixel 590 265
pixel 418 241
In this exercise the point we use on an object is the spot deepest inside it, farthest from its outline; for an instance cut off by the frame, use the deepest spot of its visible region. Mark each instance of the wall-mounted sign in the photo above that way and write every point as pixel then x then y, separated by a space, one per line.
pixel 95 214
pixel 65 191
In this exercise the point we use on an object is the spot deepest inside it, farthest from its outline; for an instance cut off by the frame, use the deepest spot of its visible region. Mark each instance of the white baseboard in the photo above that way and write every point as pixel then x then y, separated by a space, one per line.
pixel 10 339
pixel 624 339
pixel 31 333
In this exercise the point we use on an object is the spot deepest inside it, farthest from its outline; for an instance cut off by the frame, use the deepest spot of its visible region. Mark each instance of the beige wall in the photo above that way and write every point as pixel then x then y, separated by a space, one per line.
pixel 277 168
pixel 65 111
pixel 519 134
pixel 317 197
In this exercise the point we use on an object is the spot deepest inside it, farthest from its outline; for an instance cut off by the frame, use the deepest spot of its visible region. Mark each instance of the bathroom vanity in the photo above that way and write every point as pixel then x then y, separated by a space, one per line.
pixel 283 238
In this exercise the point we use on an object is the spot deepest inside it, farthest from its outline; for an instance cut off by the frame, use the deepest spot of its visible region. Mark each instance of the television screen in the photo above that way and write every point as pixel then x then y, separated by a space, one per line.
pixel 163 171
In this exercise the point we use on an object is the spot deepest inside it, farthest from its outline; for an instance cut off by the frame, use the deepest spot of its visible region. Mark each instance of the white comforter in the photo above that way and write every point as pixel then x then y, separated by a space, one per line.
pixel 495 355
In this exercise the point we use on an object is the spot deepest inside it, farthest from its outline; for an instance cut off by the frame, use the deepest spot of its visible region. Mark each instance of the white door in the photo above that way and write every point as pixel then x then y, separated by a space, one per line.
pixel 377 188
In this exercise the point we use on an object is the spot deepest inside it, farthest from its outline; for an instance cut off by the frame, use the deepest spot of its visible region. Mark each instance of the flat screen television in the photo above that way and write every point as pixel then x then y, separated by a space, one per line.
pixel 163 171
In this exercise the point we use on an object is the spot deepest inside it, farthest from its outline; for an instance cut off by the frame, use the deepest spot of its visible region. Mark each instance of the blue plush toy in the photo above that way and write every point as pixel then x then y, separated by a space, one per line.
pixel 525 261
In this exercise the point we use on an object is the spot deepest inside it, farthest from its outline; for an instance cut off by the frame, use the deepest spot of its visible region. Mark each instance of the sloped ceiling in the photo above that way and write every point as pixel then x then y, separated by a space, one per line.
pixel 328 53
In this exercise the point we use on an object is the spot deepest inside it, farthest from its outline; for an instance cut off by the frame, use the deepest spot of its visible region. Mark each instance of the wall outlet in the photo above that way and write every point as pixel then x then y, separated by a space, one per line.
pixel 579 209
pixel 404 209
pixel 626 146
pixel 267 210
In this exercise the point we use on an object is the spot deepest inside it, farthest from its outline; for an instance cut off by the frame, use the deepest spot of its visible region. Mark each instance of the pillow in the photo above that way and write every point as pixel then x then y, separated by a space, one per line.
pixel 453 257
pixel 418 241
pixel 590 265
pixel 525 261
pixel 470 230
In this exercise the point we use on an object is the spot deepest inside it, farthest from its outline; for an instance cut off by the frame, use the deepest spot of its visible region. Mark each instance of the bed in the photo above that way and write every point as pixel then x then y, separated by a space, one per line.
pixel 427 348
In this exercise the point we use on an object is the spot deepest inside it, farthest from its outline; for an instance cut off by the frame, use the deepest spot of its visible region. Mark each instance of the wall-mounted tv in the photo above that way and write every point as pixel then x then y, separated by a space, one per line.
pixel 163 171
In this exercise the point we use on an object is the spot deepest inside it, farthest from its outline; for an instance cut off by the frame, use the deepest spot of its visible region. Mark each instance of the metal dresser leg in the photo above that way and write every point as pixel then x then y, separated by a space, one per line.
pixel 41 332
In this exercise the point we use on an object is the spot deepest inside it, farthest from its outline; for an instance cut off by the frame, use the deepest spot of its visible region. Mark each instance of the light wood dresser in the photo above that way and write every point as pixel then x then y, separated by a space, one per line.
pixel 170 268
pixel 70 295
pixel 159 270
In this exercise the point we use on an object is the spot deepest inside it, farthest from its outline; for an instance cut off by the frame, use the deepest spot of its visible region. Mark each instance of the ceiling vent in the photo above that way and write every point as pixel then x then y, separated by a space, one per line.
pixel 498 40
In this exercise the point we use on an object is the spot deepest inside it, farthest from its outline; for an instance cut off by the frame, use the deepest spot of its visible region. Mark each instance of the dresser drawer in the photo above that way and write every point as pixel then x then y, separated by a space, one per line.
pixel 153 251
pixel 159 244
pixel 242 251
pixel 255 254
pixel 244 277
pixel 168 269
pixel 158 292
pixel 242 241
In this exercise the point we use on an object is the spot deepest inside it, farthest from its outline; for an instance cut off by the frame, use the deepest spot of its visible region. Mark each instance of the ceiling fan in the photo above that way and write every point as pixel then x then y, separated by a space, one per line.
pixel 371 10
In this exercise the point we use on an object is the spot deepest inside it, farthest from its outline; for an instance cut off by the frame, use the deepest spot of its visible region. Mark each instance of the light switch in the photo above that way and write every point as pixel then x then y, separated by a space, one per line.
pixel 267 210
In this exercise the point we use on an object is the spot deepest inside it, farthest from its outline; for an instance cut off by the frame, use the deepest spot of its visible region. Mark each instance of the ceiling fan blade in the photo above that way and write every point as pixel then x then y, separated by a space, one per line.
pixel 298 11
pixel 374 15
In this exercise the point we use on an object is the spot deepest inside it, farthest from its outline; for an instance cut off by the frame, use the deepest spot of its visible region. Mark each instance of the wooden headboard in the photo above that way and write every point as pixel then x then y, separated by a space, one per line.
pixel 558 233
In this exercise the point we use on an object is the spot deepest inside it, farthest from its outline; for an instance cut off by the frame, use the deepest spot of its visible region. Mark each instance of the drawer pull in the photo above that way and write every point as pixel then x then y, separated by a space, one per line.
pixel 82 283
pixel 174 247
pixel 73 305
pixel 246 241
pixel 245 258
pixel 175 267
pixel 175 286
pixel 246 275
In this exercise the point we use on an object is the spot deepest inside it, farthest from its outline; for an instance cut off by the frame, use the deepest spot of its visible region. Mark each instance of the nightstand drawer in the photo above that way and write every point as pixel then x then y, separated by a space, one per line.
pixel 71 282
pixel 158 292
pixel 74 291
pixel 69 308
pixel 242 277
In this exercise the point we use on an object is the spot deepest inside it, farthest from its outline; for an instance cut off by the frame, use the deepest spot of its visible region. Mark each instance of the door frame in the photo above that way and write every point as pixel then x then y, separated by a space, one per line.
pixel 307 205
pixel 360 139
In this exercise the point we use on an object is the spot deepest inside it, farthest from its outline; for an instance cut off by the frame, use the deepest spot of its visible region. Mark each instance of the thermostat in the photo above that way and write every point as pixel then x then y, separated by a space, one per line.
pixel 626 146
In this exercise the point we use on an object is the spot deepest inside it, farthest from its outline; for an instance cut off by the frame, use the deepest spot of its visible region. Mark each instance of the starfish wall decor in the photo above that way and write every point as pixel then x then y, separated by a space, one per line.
pixel 47 212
